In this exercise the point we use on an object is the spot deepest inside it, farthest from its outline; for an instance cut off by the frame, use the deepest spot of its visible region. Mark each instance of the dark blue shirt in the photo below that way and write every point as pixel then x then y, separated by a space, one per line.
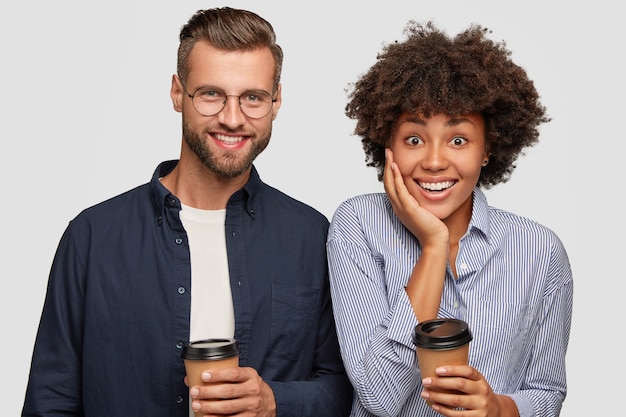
pixel 118 302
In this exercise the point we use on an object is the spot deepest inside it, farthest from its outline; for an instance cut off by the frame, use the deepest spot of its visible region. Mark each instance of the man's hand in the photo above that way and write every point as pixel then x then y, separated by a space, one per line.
pixel 235 391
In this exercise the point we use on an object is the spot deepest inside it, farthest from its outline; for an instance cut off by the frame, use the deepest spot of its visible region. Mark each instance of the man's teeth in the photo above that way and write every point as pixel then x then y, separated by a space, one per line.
pixel 229 139
pixel 436 186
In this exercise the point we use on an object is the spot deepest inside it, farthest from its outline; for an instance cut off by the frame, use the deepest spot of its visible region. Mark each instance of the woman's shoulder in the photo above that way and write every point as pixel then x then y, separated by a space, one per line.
pixel 363 204
pixel 505 222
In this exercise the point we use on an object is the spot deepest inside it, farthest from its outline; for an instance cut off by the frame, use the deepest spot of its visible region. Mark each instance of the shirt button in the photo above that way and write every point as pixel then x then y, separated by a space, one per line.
pixel 179 345
pixel 181 290
pixel 179 241
pixel 463 265
pixel 179 399
pixel 456 304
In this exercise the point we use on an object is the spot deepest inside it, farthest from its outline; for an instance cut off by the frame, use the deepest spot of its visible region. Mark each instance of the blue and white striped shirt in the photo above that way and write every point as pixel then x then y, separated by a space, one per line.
pixel 514 289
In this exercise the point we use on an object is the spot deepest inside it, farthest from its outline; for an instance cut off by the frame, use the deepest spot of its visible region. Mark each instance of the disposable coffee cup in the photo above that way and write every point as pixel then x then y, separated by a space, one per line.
pixel 439 342
pixel 208 354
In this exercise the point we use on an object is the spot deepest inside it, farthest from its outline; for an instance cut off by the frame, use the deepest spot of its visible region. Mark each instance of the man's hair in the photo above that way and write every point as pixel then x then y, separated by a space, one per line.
pixel 228 29
pixel 433 74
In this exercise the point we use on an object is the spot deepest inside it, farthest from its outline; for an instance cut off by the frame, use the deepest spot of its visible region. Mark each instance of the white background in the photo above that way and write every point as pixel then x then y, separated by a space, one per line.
pixel 86 115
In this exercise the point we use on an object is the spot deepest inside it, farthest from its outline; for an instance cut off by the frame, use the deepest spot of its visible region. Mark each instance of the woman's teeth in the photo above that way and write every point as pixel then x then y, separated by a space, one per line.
pixel 436 186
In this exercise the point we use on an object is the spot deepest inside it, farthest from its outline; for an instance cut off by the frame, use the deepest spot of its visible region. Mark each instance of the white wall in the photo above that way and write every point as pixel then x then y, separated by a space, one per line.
pixel 86 115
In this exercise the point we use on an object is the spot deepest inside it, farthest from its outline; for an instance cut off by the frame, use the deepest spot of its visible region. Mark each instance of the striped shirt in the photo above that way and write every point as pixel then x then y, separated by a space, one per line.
pixel 514 289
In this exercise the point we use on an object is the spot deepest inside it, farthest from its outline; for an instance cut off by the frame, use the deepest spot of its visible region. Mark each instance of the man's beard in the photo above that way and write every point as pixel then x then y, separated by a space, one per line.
pixel 230 165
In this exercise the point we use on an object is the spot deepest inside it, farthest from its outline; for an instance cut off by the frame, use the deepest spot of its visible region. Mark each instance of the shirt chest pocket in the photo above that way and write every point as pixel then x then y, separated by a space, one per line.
pixel 295 313
pixel 501 329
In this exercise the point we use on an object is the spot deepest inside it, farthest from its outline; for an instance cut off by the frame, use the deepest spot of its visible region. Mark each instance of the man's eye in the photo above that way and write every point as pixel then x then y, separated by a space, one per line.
pixel 251 98
pixel 210 95
pixel 256 97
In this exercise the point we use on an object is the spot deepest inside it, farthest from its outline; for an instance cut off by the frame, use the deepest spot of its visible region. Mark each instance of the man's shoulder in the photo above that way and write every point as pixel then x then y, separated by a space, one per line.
pixel 276 199
pixel 114 206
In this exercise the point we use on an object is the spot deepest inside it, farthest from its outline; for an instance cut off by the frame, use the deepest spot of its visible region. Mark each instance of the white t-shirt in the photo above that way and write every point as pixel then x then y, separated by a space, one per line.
pixel 212 314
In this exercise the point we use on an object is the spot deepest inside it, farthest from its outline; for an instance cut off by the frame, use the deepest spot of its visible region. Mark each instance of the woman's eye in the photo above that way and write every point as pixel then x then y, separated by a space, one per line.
pixel 458 141
pixel 413 140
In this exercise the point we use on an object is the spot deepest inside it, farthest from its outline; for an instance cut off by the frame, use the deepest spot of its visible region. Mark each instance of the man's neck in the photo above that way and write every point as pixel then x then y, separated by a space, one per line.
pixel 200 188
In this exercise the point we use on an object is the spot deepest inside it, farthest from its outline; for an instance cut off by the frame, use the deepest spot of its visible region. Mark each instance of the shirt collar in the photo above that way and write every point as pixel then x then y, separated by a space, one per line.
pixel 480 213
pixel 249 194
pixel 161 196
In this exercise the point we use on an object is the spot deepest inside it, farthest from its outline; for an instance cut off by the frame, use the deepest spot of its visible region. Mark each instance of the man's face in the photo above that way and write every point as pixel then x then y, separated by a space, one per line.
pixel 228 142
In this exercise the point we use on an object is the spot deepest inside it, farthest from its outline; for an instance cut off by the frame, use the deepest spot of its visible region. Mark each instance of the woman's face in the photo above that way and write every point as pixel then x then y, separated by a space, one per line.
pixel 440 158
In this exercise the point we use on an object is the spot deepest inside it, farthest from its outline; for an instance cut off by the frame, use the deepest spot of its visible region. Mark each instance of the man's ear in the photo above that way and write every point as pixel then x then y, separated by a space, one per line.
pixel 279 99
pixel 177 93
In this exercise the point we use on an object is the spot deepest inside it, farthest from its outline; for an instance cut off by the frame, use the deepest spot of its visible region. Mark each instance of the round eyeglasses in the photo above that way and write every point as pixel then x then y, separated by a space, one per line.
pixel 209 101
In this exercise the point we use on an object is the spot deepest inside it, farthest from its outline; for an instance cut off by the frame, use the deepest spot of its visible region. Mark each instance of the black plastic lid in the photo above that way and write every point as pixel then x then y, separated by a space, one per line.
pixel 210 349
pixel 441 334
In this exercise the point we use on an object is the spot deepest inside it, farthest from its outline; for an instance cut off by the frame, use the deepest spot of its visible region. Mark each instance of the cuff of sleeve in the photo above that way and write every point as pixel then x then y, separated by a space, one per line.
pixel 284 398
pixel 525 407
pixel 402 321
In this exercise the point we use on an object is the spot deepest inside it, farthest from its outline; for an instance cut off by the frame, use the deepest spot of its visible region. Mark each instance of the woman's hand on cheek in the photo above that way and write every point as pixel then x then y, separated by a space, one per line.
pixel 421 223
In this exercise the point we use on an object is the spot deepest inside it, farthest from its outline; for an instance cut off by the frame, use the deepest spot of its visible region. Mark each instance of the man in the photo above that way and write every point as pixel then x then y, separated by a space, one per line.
pixel 204 250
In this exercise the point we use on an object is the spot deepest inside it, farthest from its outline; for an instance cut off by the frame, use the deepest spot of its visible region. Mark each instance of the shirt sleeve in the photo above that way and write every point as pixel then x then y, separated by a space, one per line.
pixel 374 326
pixel 545 386
pixel 54 385
pixel 328 392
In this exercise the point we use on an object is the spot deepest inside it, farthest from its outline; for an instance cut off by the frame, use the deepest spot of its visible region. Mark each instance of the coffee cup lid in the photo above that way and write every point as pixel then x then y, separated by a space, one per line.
pixel 441 334
pixel 210 349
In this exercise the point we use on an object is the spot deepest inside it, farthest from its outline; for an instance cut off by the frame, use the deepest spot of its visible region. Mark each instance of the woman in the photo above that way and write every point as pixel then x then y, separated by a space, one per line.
pixel 439 118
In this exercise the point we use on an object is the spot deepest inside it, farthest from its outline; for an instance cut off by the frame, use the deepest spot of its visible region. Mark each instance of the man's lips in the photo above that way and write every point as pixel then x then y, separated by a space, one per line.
pixel 228 139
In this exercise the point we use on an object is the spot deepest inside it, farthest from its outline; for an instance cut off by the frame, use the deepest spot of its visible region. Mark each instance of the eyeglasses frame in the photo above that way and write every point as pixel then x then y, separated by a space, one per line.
pixel 191 96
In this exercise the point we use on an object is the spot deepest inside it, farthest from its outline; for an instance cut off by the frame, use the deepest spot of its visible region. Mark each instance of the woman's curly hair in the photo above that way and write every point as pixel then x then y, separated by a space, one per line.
pixel 432 73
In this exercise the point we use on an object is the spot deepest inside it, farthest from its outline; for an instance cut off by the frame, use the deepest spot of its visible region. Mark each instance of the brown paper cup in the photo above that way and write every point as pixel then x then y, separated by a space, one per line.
pixel 440 342
pixel 208 354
